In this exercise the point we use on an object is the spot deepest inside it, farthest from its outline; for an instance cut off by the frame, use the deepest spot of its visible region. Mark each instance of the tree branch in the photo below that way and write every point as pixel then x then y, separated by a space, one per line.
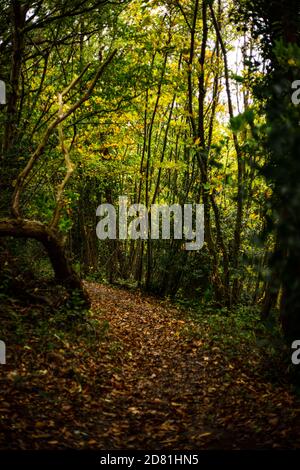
pixel 69 167
pixel 15 205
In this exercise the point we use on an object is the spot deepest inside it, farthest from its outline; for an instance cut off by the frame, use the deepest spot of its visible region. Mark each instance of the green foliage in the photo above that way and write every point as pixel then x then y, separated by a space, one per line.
pixel 158 127
pixel 276 25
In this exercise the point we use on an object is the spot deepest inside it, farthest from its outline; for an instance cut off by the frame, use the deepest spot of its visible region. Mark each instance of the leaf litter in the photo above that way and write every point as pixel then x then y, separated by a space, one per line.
pixel 155 380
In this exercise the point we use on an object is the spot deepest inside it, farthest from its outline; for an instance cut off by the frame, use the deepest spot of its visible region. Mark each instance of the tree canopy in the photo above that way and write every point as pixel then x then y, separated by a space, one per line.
pixel 164 102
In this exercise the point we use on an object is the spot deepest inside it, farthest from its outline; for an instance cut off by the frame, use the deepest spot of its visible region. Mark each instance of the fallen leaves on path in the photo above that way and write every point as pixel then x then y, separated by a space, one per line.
pixel 146 385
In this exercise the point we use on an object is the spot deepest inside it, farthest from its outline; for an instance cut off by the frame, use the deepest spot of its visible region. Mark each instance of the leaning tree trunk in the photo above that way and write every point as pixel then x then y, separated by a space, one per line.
pixel 63 270
pixel 19 227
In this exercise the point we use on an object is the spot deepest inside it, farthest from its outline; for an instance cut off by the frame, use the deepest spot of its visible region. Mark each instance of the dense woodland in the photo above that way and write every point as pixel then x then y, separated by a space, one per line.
pixel 164 102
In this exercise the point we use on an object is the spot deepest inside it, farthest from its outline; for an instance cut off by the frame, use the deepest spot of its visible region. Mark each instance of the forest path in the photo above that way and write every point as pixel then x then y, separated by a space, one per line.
pixel 156 395
pixel 171 386
pixel 139 374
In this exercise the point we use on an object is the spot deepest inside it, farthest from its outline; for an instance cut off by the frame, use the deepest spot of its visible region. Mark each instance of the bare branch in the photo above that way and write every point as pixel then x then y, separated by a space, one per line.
pixel 69 166
pixel 15 206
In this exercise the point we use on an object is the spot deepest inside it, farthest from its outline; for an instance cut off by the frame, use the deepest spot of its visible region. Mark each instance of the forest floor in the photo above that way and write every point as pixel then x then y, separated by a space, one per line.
pixel 140 375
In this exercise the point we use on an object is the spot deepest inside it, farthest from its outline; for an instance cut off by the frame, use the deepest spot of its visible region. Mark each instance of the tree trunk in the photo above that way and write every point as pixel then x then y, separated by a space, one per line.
pixel 63 270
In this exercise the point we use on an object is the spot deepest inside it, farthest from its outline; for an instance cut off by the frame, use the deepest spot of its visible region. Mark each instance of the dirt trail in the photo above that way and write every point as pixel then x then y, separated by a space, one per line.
pixel 157 389
pixel 173 389
pixel 151 380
